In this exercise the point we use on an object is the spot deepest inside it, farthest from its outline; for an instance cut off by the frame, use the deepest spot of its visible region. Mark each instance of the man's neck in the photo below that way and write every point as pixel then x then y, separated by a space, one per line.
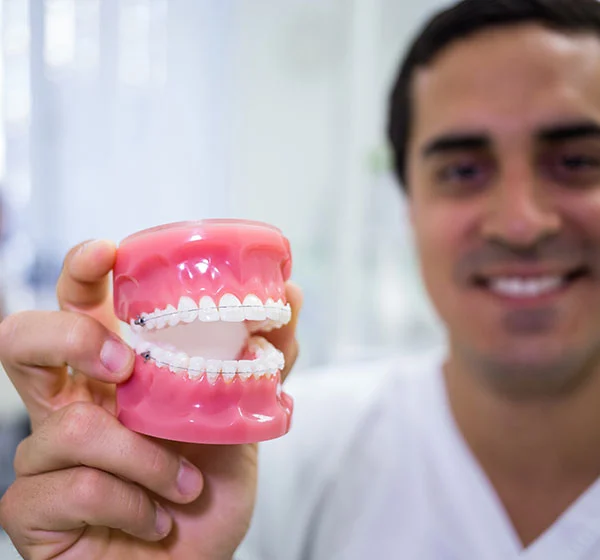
pixel 540 454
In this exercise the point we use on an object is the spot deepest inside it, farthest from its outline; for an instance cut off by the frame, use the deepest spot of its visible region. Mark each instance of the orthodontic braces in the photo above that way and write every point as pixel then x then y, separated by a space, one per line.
pixel 141 322
pixel 147 357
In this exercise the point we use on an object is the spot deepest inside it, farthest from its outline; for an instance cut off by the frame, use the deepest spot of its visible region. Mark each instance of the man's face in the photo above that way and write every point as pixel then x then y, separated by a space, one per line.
pixel 504 178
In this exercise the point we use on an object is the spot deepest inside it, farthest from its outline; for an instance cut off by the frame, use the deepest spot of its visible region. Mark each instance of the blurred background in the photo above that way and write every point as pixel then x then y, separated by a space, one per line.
pixel 118 115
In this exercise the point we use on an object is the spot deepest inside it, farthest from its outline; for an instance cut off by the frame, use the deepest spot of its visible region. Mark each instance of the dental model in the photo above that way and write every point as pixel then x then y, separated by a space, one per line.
pixel 195 294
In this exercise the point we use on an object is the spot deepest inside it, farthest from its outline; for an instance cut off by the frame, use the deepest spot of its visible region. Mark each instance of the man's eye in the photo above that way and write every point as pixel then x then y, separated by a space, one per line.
pixel 580 162
pixel 575 169
pixel 463 172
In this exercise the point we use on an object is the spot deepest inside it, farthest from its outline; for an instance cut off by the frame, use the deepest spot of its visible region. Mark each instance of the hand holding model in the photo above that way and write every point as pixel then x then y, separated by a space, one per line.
pixel 88 486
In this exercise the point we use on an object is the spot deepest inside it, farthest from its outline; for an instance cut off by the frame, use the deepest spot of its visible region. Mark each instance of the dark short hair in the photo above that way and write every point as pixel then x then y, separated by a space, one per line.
pixel 463 20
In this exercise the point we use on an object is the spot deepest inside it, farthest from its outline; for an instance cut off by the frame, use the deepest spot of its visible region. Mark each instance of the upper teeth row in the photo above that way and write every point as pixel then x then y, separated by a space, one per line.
pixel 526 287
pixel 230 309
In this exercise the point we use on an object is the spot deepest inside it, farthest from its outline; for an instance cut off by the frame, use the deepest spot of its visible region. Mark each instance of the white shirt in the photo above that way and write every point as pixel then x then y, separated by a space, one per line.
pixel 375 468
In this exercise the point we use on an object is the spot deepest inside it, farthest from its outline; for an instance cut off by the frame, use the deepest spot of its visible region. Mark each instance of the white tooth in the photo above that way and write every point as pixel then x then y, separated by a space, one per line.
pixel 272 363
pixel 260 368
pixel 553 283
pixel 229 366
pixel 168 357
pixel 160 321
pixel 180 362
pixel 245 369
pixel 172 317
pixel 214 366
pixel 143 346
pixel 229 369
pixel 253 308
pixel 532 291
pixel 230 309
pixel 263 344
pixel 196 367
pixel 269 325
pixel 212 377
pixel 160 355
pixel 272 309
pixel 525 287
pixel 148 319
pixel 213 370
pixel 188 310
pixel 280 311
pixel 135 328
pixel 286 314
pixel 208 311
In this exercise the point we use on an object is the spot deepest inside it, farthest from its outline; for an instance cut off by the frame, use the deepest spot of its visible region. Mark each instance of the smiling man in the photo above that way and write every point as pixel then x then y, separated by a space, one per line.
pixel 489 450
pixel 503 169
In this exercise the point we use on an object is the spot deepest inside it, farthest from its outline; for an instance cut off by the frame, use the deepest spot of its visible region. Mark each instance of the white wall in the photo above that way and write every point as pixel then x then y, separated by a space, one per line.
pixel 269 109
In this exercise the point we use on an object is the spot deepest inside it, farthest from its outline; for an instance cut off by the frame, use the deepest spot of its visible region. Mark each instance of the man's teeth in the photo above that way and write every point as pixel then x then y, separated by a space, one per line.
pixel 268 361
pixel 230 309
pixel 525 287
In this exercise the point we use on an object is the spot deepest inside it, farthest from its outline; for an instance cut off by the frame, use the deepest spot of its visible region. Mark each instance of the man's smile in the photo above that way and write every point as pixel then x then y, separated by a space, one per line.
pixel 530 286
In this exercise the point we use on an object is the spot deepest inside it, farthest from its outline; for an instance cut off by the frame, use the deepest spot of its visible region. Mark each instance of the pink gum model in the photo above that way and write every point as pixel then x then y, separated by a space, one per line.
pixel 194 294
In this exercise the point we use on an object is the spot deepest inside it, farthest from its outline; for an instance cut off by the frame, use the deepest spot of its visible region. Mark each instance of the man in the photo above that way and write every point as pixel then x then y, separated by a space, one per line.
pixel 490 450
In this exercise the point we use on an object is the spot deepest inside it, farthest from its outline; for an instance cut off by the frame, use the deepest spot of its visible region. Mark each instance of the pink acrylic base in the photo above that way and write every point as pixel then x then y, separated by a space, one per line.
pixel 169 406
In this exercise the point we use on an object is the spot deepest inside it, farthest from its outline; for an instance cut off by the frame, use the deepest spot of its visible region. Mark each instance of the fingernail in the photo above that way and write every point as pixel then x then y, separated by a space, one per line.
pixel 189 480
pixel 163 521
pixel 115 356
pixel 85 246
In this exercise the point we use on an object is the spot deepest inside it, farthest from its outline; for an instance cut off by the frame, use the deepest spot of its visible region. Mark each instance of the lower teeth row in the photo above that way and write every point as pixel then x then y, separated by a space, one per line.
pixel 267 363
pixel 212 376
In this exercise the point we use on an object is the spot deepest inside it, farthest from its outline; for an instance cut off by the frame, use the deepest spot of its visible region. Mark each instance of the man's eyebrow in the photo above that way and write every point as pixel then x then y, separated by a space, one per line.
pixel 570 131
pixel 456 142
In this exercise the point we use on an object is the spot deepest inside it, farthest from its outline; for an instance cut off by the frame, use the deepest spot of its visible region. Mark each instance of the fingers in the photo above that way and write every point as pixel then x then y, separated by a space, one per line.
pixel 86 434
pixel 285 338
pixel 84 282
pixel 35 347
pixel 74 498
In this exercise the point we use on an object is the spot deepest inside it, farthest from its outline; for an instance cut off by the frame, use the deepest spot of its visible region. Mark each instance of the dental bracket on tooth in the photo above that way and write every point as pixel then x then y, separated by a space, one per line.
pixel 274 314
pixel 268 361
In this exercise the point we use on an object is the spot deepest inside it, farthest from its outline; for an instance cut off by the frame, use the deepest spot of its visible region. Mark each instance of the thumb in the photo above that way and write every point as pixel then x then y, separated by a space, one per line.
pixel 84 282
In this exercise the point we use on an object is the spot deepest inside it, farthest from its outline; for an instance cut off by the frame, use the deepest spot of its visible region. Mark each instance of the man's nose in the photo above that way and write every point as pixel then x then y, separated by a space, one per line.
pixel 521 212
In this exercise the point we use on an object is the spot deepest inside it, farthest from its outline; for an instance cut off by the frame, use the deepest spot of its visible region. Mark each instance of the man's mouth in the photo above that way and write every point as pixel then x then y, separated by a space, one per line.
pixel 528 285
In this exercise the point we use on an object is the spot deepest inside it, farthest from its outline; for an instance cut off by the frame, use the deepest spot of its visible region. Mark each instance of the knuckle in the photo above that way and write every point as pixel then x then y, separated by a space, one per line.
pixel 136 503
pixel 9 505
pixel 79 336
pixel 20 459
pixel 159 461
pixel 4 501
pixel 88 488
pixel 9 330
pixel 80 423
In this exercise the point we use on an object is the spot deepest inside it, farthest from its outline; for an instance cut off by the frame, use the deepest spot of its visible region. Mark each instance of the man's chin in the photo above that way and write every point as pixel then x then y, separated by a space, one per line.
pixel 534 371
